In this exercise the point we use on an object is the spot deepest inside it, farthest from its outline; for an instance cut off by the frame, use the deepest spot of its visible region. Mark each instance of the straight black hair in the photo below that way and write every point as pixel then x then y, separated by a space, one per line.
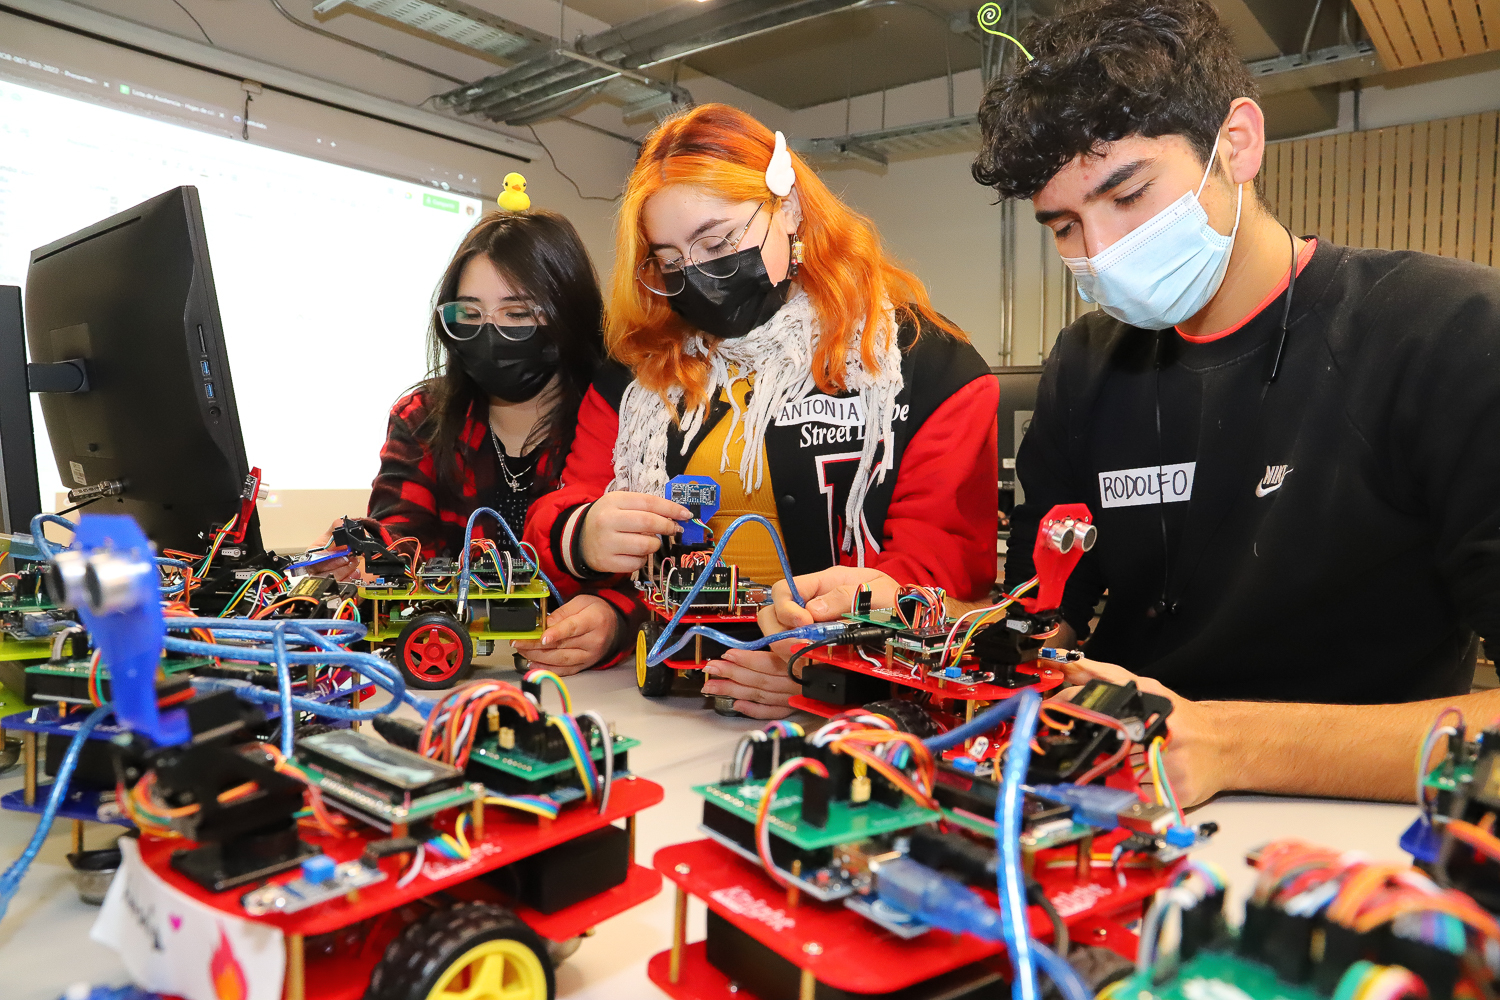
pixel 540 256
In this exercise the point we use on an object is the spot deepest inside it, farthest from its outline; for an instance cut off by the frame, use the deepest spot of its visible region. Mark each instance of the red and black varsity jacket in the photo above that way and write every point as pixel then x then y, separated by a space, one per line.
pixel 932 521
pixel 407 498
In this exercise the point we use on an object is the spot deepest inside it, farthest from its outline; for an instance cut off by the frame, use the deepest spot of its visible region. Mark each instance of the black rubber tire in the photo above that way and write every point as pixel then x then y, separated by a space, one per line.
pixel 452 628
pixel 1099 967
pixel 909 716
pixel 653 682
pixel 417 959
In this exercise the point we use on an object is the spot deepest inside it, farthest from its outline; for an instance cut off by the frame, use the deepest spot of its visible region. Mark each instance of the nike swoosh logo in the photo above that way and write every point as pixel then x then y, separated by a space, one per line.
pixel 1262 489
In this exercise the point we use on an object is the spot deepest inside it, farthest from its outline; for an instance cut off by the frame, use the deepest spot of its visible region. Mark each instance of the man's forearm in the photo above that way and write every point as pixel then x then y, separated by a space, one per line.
pixel 1343 751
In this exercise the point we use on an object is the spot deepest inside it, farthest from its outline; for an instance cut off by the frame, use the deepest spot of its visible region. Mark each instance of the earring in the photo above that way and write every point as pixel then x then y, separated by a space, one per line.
pixel 796 254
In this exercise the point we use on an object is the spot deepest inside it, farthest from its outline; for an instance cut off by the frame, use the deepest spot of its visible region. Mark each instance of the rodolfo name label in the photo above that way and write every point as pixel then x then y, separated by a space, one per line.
pixel 1152 484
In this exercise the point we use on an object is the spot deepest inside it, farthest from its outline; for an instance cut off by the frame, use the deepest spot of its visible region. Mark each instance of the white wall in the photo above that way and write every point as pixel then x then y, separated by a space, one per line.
pixel 598 163
pixel 1445 90
pixel 944 226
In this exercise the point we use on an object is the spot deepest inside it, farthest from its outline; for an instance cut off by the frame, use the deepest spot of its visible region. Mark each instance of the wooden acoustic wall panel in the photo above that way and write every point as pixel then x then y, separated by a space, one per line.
pixel 1431 186
pixel 1413 32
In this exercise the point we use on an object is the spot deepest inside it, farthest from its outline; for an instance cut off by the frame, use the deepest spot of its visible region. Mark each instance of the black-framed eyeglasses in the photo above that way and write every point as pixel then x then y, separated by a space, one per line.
pixel 711 255
pixel 463 320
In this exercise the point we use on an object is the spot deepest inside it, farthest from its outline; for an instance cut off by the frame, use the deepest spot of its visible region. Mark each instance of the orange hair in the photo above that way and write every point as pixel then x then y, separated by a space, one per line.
pixel 846 272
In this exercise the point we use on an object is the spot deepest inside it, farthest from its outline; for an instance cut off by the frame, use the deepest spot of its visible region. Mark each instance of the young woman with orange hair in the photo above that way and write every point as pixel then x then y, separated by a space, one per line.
pixel 766 340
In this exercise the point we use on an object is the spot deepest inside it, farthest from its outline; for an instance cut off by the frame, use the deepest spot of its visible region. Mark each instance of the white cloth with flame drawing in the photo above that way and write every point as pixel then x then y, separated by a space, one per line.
pixel 173 944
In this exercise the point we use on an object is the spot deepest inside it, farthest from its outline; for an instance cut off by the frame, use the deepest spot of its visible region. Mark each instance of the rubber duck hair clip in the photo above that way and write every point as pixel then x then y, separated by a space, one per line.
pixel 779 174
pixel 780 179
pixel 514 197
pixel 990 14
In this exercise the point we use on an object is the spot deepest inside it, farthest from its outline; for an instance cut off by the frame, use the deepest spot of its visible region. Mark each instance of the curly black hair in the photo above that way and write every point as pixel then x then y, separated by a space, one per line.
pixel 1104 70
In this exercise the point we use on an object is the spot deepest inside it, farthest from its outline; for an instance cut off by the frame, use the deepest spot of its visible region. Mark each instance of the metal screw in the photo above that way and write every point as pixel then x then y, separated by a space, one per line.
pixel 813 948
pixel 1100 932
pixel 734 987
pixel 682 869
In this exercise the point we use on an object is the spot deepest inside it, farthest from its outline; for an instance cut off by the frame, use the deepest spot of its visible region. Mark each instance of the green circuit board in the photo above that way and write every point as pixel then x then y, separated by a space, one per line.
pixel 846 822
pixel 26 602
pixel 351 795
pixel 517 764
pixel 1442 779
pixel 67 680
pixel 79 667
pixel 1215 974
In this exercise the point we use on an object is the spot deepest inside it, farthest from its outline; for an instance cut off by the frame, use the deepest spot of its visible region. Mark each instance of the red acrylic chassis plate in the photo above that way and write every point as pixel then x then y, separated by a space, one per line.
pixel 508 837
pixel 345 975
pixel 855 954
pixel 664 614
pixel 699 980
pixel 1048 678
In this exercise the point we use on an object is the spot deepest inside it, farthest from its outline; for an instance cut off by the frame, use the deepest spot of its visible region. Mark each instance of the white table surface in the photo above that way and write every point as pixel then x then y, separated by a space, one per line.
pixel 44 942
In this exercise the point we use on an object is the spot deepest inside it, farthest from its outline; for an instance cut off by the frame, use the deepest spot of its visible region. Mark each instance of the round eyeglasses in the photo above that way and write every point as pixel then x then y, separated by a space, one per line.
pixel 710 255
pixel 463 320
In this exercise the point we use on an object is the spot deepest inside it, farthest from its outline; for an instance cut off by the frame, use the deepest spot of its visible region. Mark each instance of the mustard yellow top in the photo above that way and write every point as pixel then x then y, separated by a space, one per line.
pixel 750 549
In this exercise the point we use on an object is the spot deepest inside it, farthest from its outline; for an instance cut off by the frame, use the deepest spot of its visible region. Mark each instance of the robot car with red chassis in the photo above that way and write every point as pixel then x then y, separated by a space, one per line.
pixel 463 855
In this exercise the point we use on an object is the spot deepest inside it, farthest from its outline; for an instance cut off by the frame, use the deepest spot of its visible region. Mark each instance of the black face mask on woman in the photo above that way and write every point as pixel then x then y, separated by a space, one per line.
pixel 731 307
pixel 510 369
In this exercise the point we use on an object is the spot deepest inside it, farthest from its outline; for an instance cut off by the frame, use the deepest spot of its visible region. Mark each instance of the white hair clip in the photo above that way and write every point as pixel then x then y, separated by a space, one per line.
pixel 779 174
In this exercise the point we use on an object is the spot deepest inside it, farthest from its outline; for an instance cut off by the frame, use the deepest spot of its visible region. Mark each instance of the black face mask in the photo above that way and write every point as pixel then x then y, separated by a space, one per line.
pixel 514 371
pixel 731 307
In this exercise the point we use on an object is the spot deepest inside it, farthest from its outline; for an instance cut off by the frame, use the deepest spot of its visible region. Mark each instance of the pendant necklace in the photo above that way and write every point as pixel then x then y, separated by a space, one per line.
pixel 511 480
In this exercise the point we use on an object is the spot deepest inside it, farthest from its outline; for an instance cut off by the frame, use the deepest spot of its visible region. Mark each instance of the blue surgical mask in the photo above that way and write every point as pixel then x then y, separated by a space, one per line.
pixel 1161 272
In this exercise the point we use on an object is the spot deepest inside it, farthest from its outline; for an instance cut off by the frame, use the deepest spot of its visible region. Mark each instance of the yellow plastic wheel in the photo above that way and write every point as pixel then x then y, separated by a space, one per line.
pixel 640 658
pixel 652 681
pixel 471 951
pixel 493 970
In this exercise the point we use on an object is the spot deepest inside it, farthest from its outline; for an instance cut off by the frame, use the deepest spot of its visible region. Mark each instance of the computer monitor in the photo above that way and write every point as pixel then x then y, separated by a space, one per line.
pixel 1018 387
pixel 20 494
pixel 133 297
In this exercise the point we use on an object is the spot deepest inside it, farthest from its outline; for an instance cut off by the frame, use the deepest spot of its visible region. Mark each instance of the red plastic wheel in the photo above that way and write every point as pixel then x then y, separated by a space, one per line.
pixel 434 651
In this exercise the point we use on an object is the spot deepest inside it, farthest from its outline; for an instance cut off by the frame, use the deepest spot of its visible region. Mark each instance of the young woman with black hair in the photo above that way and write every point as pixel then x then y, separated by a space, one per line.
pixel 513 344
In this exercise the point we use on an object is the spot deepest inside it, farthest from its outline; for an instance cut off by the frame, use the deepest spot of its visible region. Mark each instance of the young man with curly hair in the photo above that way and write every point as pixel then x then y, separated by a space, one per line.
pixel 1287 444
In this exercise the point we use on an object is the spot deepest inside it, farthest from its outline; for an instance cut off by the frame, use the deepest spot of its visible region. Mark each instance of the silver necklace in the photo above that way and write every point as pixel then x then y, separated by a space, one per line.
pixel 511 480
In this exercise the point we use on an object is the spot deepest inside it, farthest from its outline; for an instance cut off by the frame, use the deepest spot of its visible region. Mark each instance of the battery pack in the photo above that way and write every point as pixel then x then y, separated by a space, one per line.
pixel 760 971
pixel 569 873
pixel 842 687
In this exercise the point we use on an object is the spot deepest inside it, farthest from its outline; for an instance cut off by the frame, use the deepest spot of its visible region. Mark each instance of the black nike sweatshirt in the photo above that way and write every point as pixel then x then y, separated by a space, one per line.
pixel 1331 537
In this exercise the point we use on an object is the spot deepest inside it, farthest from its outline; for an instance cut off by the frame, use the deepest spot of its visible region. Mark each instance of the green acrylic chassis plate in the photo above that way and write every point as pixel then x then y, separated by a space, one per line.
pixel 385 629
pixel 24 649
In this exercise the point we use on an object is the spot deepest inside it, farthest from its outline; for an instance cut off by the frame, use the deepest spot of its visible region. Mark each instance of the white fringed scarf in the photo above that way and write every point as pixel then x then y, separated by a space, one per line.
pixel 779 353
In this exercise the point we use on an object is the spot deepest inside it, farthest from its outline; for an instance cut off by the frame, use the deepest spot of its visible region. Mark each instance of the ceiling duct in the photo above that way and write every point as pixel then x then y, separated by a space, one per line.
pixel 615 58
pixel 1318 68
pixel 496 37
pixel 878 145
pixel 1334 64
pixel 455 22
